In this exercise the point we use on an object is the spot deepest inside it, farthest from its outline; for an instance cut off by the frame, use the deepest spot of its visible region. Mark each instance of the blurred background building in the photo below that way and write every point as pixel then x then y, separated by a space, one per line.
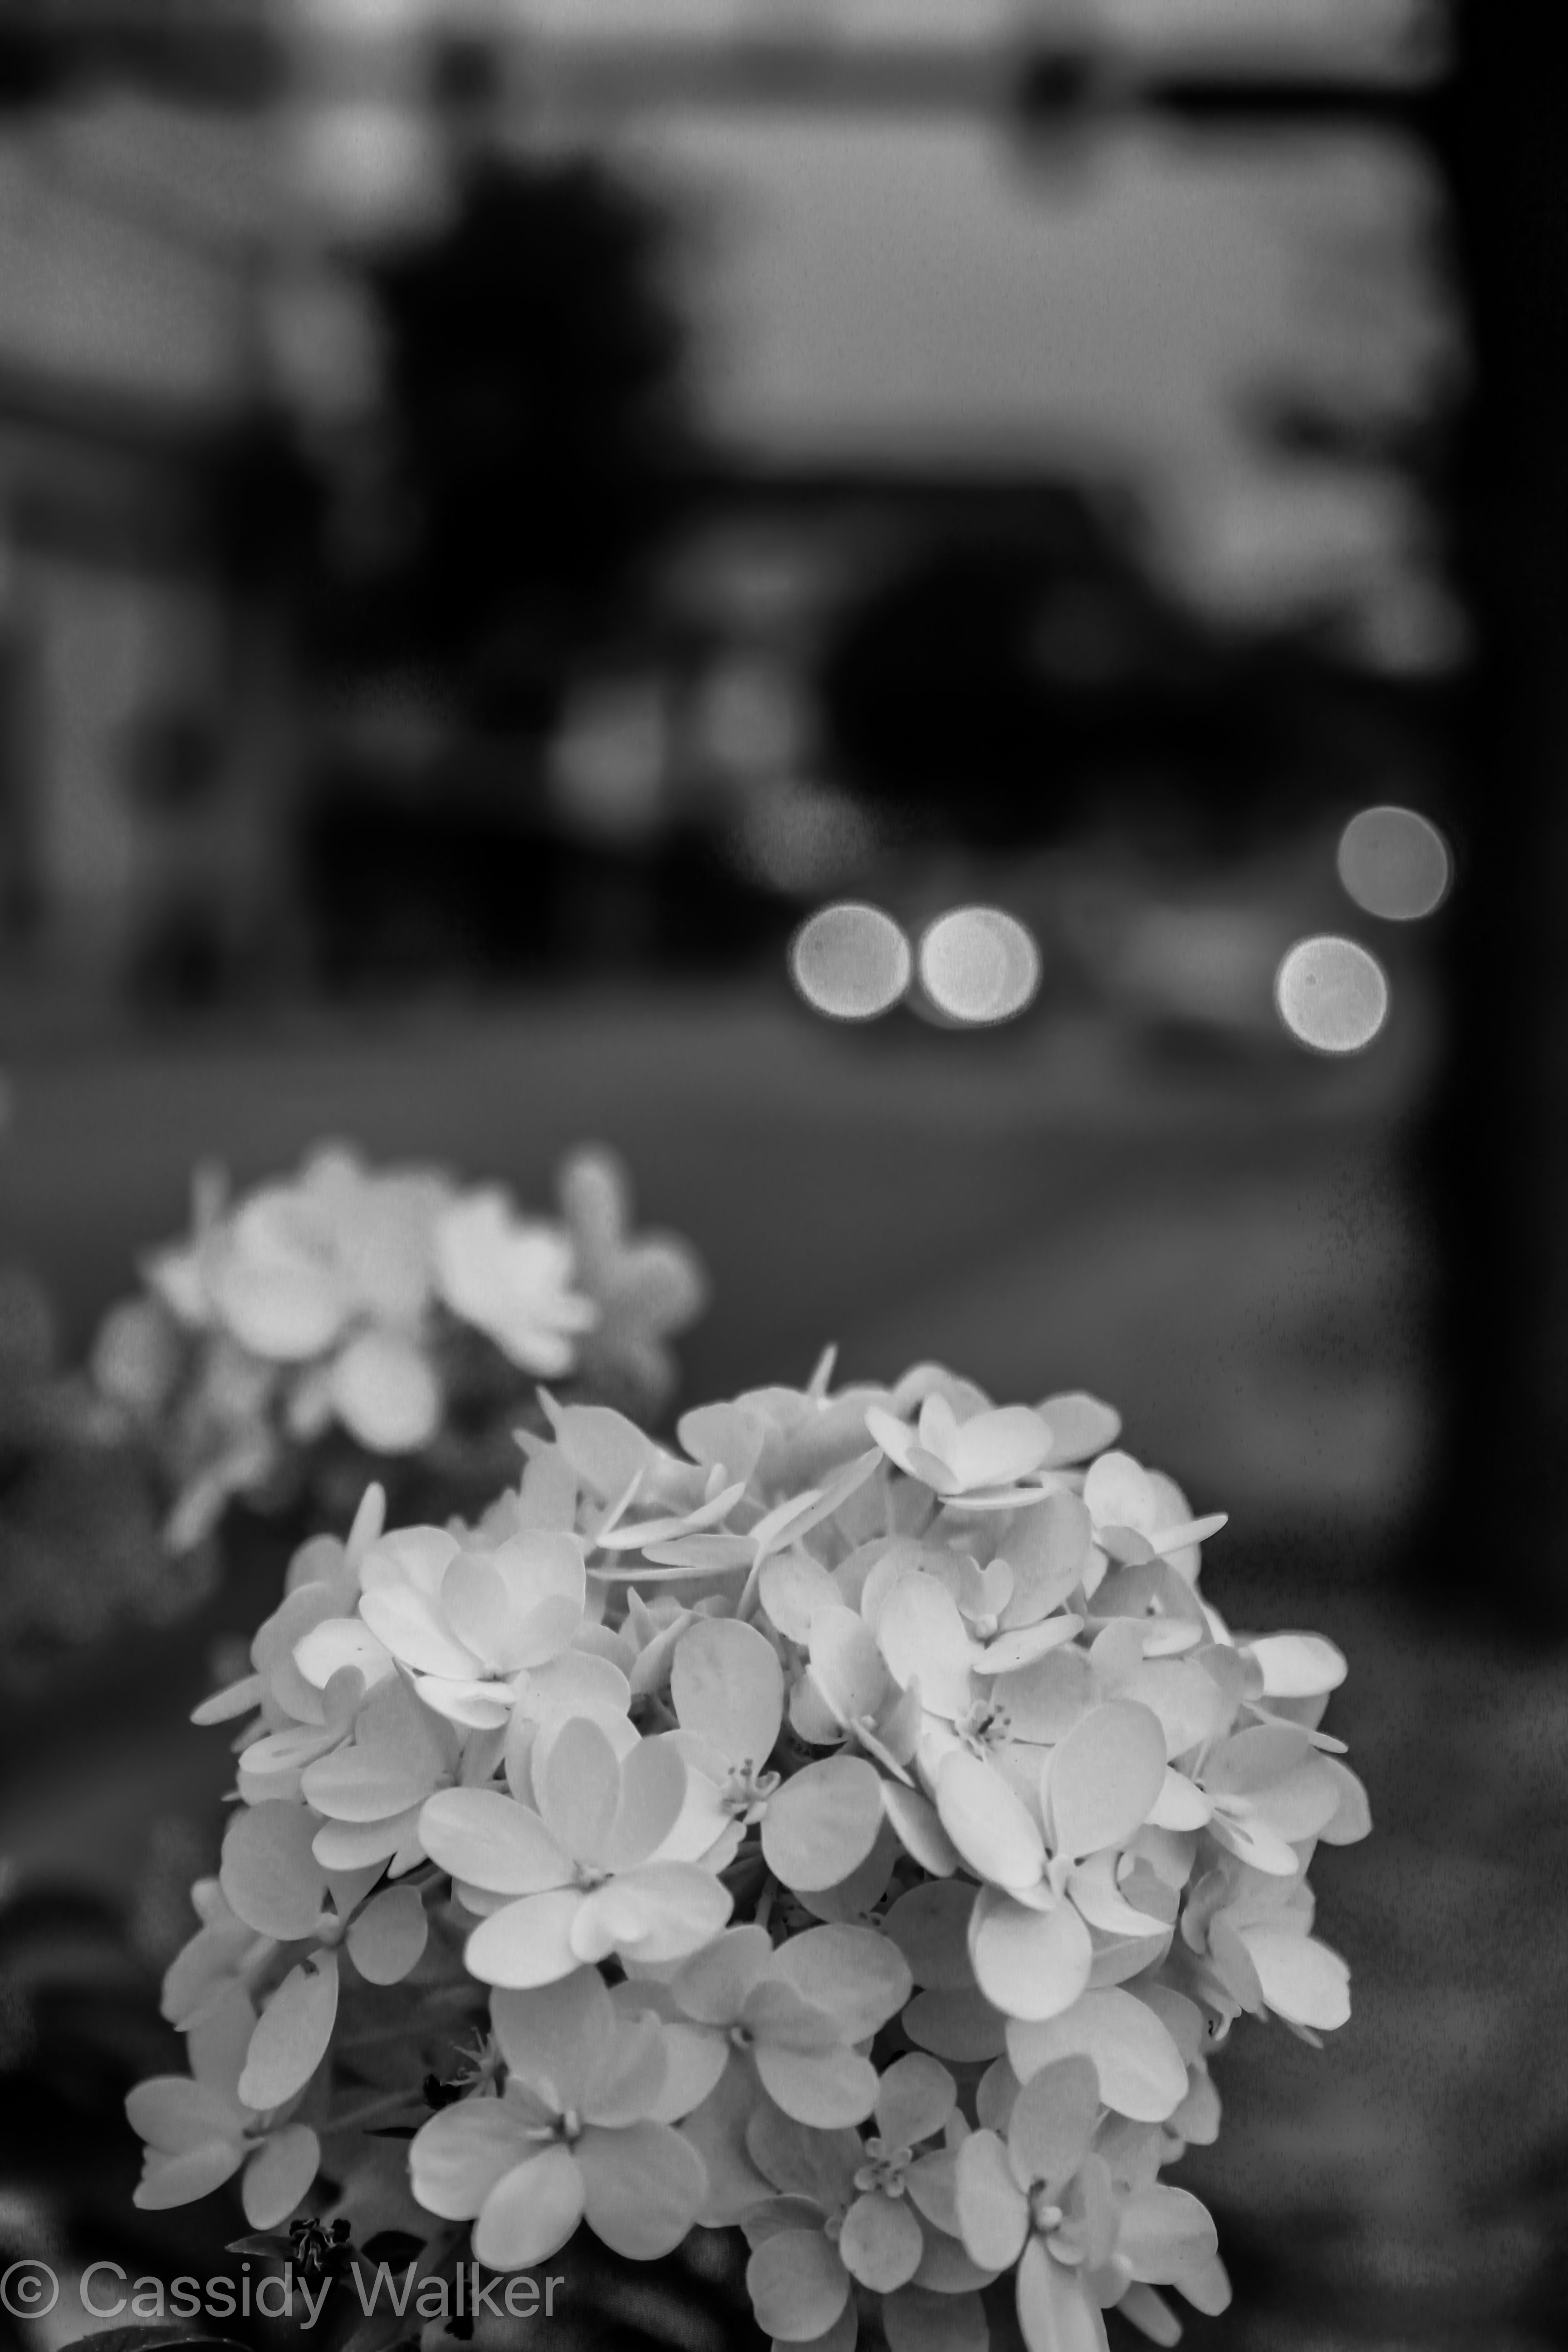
pixel 836 329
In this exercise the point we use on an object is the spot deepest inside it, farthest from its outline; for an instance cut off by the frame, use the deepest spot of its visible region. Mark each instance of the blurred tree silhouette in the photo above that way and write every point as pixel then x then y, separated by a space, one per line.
pixel 532 412
pixel 1011 685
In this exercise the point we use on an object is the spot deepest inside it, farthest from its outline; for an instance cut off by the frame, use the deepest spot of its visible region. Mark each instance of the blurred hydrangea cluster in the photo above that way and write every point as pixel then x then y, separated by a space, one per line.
pixel 854 1827
pixel 393 1308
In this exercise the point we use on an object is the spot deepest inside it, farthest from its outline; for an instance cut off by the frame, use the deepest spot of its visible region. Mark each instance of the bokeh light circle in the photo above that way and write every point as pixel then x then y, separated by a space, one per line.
pixel 978 964
pixel 1394 864
pixel 1333 995
pixel 850 962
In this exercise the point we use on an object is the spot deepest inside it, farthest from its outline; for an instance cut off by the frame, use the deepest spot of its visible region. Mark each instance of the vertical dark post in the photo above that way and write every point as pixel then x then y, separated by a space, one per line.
pixel 1497 1151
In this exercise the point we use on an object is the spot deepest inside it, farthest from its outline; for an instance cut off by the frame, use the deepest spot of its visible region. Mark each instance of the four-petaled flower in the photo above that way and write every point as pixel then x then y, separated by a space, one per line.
pixel 581 2132
pixel 581 1877
pixel 1042 2197
pixel 199 2133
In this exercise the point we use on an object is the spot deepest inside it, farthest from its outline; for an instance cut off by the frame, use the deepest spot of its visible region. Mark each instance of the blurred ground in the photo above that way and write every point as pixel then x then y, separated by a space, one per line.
pixel 1407 2186
pixel 1212 1233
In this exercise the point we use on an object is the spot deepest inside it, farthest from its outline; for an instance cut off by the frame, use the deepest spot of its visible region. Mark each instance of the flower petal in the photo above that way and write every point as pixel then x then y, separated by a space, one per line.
pixel 479 1706
pixel 993 2211
pixel 366 1784
pixel 1011 1652
pixel 1141 2070
pixel 340 1641
pixel 914 2099
pixel 269 1876
pixel 822 1823
pixel 414 1627
pixel 793 1589
pixel 846 1667
pixel 797 2284
pixel 387 1938
pixel 653 1791
pixel 1352 1817
pixel 531 2212
pixel 1029 1963
pixel 490 1841
pixel 695 2059
pixel 1234 1827
pixel 174 2116
pixel 1046 1547
pixel 663 1911
pixel 555 2034
pixel 1149 2314
pixel 578 1789
pixel 918 1826
pixel 1297 1806
pixel 819 2166
pixel 1105 1777
pixel 1054 2310
pixel 925 1639
pixel 1166 2234
pixel 727 1685
pixel 989 1823
pixel 1117 1493
pixel 1207 2287
pixel 961 2026
pixel 1180 1805
pixel 354 1846
pixel 278 2174
pixel 478 1608
pixel 1097 1893
pixel 1301 1979
pixel 384 1392
pixel 1052 2122
pixel 881 2243
pixel 1080 1425
pixel 946 2269
pixel 823 2088
pixel 916 2320
pixel 1298 1666
pixel 930 1926
pixel 857 1974
pixel 1254 1759
pixel 291 2035
pixel 628 2079
pixel 717 2130
pixel 932 2180
pixel 528 1942
pixel 997 1448
pixel 169 2180
pixel 713 1984
pixel 642 2188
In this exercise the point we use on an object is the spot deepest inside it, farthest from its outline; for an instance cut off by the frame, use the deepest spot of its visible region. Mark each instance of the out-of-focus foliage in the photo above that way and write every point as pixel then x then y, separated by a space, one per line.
pixel 81 1549
pixel 346 1321
pixel 1024 686
pixel 521 467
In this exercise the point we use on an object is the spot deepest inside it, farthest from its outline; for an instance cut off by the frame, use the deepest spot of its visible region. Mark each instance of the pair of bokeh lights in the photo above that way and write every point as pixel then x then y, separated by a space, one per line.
pixel 978 966
pixel 1333 993
pixel 970 968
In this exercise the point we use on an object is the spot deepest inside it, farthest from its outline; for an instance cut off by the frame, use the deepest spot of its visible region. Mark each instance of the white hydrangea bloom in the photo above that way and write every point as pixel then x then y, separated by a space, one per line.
pixel 853 1826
